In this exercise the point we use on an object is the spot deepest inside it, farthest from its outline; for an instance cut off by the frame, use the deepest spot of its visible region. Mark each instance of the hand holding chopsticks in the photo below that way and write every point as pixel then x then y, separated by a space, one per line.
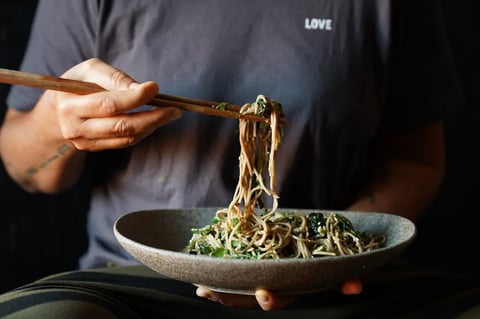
pixel 161 100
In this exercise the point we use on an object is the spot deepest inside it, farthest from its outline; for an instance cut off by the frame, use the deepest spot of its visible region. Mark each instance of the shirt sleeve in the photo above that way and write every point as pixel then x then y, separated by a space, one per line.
pixel 424 86
pixel 62 35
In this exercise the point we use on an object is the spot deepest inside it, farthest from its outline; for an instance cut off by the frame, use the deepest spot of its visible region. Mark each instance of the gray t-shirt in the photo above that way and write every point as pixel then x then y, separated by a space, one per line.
pixel 345 71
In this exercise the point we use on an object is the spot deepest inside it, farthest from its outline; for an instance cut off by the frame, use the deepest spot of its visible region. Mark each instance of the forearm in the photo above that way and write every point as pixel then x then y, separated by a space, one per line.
pixel 407 188
pixel 409 175
pixel 35 154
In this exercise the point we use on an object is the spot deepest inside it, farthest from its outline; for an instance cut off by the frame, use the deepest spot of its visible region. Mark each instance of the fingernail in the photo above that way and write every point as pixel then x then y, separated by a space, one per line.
pixel 203 293
pixel 133 85
pixel 175 113
pixel 262 297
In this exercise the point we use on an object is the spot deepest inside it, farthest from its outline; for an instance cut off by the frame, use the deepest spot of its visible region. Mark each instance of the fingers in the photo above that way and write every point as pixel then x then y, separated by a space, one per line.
pixel 121 131
pixel 231 300
pixel 124 125
pixel 269 301
pixel 90 129
pixel 101 73
pixel 104 104
pixel 108 119
pixel 263 298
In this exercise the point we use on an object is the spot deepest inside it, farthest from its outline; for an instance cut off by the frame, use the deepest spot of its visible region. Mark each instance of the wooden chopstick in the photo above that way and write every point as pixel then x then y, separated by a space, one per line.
pixel 47 82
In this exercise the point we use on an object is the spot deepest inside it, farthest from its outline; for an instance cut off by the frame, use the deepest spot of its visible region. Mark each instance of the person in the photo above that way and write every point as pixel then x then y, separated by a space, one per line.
pixel 365 86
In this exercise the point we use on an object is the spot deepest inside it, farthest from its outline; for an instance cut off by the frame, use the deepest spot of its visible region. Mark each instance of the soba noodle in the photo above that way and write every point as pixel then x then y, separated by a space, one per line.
pixel 248 229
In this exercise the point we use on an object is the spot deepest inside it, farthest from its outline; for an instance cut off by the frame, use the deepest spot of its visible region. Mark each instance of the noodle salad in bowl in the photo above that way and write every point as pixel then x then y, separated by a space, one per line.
pixel 289 251
pixel 282 235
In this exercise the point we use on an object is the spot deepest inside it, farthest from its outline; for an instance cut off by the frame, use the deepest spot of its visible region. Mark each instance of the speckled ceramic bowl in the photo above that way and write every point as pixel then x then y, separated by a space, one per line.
pixel 156 237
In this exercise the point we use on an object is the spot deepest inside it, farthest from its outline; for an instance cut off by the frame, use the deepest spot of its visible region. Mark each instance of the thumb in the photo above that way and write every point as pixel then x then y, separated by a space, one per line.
pixel 270 301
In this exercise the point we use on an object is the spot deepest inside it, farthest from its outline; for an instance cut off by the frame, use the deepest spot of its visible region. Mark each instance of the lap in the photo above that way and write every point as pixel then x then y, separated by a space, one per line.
pixel 137 292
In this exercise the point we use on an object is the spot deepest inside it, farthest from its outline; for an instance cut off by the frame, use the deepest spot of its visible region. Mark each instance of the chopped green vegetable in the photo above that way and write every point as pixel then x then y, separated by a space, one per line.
pixel 222 106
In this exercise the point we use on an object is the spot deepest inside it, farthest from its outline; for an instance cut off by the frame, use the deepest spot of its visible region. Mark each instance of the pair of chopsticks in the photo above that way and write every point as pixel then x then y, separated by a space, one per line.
pixel 161 100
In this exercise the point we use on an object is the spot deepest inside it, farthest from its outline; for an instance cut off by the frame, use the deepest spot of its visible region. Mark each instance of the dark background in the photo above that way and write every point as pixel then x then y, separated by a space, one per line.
pixel 41 235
